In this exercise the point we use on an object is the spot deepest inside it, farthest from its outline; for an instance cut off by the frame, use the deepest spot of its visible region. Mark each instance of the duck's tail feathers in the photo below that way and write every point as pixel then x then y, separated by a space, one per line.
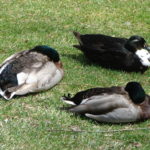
pixel 6 94
pixel 77 46
pixel 80 109
pixel 78 36
pixel 67 99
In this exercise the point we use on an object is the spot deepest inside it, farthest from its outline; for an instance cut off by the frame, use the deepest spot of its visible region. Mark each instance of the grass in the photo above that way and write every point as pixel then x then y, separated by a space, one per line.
pixel 26 122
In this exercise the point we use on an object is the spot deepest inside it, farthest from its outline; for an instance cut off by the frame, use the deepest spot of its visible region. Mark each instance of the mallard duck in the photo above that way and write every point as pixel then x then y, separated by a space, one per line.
pixel 113 104
pixel 29 71
pixel 132 55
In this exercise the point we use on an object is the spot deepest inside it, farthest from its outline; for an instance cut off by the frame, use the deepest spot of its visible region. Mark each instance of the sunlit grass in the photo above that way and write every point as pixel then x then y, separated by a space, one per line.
pixel 26 122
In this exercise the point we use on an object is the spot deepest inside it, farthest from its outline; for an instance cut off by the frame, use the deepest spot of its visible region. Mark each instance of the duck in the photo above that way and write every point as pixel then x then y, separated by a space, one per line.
pixel 116 104
pixel 30 71
pixel 130 55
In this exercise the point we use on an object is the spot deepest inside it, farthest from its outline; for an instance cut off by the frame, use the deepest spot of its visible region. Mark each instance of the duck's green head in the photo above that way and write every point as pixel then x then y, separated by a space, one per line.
pixel 46 50
pixel 136 92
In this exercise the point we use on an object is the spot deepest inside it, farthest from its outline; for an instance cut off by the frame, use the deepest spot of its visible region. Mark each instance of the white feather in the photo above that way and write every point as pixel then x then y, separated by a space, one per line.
pixel 68 102
pixel 21 77
pixel 1 92
pixel 144 56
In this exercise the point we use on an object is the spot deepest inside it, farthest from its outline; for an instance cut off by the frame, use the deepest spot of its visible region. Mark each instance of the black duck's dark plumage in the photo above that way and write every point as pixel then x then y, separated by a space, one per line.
pixel 114 53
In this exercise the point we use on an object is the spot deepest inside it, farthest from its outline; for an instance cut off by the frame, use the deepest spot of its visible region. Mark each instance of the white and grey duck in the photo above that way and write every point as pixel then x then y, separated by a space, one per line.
pixel 30 71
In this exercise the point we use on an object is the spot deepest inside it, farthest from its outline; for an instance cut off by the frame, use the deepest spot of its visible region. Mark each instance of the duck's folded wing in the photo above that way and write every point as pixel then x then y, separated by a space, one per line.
pixel 119 115
pixel 100 42
pixel 108 57
pixel 109 108
pixel 86 39
pixel 101 104
pixel 100 48
pixel 96 91
pixel 14 56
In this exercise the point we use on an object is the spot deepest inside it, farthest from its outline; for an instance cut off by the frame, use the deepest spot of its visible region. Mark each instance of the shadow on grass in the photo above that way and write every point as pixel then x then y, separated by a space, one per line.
pixel 81 59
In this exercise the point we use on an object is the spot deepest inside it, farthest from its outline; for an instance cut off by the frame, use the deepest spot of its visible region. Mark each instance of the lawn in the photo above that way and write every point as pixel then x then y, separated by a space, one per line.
pixel 36 121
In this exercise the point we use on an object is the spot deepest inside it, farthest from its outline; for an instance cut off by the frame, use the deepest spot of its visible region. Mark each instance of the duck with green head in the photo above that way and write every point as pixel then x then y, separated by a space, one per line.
pixel 112 104
pixel 30 71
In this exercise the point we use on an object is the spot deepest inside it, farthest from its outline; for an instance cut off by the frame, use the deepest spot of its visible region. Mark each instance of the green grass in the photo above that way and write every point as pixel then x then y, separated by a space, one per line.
pixel 26 122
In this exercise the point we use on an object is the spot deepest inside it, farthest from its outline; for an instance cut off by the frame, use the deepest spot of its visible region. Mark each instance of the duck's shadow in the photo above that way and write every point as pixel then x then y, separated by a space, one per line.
pixel 80 58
